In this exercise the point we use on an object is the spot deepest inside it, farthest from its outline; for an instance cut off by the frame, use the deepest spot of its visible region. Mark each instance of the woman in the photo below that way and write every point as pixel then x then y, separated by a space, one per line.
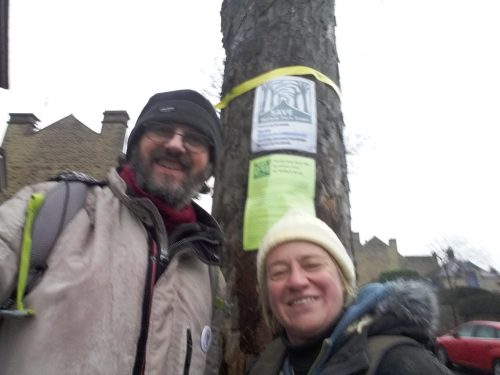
pixel 308 297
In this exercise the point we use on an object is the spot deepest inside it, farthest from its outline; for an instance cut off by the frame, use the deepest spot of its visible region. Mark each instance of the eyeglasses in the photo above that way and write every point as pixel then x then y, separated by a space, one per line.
pixel 192 141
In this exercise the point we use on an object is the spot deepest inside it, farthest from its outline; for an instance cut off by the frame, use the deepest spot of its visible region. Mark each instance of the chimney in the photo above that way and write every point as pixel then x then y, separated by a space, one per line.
pixel 114 127
pixel 115 117
pixel 355 238
pixel 393 244
pixel 450 254
pixel 23 119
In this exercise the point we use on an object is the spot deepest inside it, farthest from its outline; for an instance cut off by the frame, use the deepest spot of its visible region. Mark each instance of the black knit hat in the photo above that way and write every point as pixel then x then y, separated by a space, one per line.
pixel 185 107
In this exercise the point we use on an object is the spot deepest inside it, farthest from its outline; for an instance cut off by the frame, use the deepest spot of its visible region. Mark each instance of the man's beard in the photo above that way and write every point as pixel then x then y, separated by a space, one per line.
pixel 172 193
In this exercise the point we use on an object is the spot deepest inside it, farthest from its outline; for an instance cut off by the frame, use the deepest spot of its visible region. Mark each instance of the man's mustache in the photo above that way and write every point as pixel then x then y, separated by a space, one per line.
pixel 162 153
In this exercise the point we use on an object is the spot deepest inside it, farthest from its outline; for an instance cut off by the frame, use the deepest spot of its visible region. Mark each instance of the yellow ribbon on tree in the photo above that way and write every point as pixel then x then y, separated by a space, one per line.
pixel 252 83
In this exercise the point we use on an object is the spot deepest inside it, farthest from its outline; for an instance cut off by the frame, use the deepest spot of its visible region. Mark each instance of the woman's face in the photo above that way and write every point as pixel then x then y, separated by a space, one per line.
pixel 305 289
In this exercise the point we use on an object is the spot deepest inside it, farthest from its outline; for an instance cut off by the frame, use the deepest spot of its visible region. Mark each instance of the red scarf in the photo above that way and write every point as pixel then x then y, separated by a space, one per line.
pixel 171 217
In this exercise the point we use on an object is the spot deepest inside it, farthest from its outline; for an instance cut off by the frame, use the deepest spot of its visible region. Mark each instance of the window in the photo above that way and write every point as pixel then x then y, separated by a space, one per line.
pixel 465 330
pixel 485 332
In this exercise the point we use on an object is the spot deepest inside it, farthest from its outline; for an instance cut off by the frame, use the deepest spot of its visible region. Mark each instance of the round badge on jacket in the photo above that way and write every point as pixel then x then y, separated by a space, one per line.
pixel 206 339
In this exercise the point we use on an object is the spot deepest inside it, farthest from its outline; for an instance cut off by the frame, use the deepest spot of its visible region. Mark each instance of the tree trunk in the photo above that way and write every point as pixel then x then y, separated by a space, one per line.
pixel 259 36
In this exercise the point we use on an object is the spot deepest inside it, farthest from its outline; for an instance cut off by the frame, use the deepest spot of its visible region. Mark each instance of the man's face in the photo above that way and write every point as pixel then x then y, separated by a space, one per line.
pixel 171 161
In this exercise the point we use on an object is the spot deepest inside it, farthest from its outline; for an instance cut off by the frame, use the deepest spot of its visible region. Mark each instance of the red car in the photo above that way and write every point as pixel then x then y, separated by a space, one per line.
pixel 474 344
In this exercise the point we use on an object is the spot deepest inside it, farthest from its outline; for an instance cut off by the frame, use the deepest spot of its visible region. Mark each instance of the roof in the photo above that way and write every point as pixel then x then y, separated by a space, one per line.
pixel 490 323
pixel 375 241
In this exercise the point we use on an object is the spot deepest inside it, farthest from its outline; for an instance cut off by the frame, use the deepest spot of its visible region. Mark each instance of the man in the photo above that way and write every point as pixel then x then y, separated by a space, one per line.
pixel 127 289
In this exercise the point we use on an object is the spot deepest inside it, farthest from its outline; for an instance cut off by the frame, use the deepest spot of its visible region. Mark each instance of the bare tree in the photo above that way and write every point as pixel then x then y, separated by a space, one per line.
pixel 463 249
pixel 259 36
pixel 443 256
pixel 454 254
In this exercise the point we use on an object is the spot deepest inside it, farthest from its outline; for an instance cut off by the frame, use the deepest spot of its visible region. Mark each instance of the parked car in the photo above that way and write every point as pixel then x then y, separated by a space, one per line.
pixel 474 344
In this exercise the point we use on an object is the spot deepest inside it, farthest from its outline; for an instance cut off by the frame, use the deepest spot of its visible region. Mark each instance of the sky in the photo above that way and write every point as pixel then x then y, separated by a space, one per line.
pixel 419 85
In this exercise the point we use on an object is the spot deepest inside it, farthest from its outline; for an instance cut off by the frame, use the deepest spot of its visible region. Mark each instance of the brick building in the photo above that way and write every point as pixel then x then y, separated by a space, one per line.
pixel 463 273
pixel 375 256
pixel 33 154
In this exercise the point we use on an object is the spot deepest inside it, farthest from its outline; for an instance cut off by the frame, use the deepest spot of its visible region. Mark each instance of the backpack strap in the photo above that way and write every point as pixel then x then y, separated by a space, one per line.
pixel 379 346
pixel 34 205
pixel 46 216
pixel 218 301
pixel 60 206
pixel 212 273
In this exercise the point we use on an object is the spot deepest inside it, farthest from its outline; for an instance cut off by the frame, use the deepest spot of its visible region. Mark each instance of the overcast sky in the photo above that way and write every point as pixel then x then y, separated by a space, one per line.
pixel 420 84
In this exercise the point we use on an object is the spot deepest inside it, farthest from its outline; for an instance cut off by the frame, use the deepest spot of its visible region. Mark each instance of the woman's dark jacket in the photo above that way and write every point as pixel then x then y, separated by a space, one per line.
pixel 403 308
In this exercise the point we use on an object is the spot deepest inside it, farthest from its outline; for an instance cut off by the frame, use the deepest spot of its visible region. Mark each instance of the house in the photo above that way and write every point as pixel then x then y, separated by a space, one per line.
pixel 31 154
pixel 375 256
pixel 454 273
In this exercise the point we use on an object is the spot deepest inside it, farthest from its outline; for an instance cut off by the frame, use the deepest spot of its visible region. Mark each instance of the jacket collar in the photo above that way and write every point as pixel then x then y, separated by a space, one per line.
pixel 205 235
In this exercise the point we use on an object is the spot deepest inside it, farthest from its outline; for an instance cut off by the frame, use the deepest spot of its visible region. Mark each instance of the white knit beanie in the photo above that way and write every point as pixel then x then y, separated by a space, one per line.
pixel 299 226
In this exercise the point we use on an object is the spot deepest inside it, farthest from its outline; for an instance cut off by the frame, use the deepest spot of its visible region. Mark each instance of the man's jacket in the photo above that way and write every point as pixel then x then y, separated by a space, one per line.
pixel 105 305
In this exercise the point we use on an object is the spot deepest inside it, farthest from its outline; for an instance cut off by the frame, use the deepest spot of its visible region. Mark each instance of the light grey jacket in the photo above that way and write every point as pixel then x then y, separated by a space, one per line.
pixel 89 302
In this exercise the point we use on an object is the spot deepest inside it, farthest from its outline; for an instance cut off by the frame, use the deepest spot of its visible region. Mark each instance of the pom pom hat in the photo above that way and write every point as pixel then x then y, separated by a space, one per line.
pixel 298 226
pixel 185 107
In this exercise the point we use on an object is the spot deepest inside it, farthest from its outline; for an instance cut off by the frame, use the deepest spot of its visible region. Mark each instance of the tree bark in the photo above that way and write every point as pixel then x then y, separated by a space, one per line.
pixel 259 36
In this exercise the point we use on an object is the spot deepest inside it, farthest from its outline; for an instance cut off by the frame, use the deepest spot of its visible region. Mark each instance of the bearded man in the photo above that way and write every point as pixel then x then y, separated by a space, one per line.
pixel 127 289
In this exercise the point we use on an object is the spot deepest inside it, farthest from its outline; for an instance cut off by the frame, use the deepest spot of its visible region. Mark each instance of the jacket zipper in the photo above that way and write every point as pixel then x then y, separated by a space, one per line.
pixel 189 351
pixel 140 358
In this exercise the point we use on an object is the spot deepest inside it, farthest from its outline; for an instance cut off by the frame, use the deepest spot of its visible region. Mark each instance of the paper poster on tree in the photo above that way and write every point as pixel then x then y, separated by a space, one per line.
pixel 276 183
pixel 284 115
